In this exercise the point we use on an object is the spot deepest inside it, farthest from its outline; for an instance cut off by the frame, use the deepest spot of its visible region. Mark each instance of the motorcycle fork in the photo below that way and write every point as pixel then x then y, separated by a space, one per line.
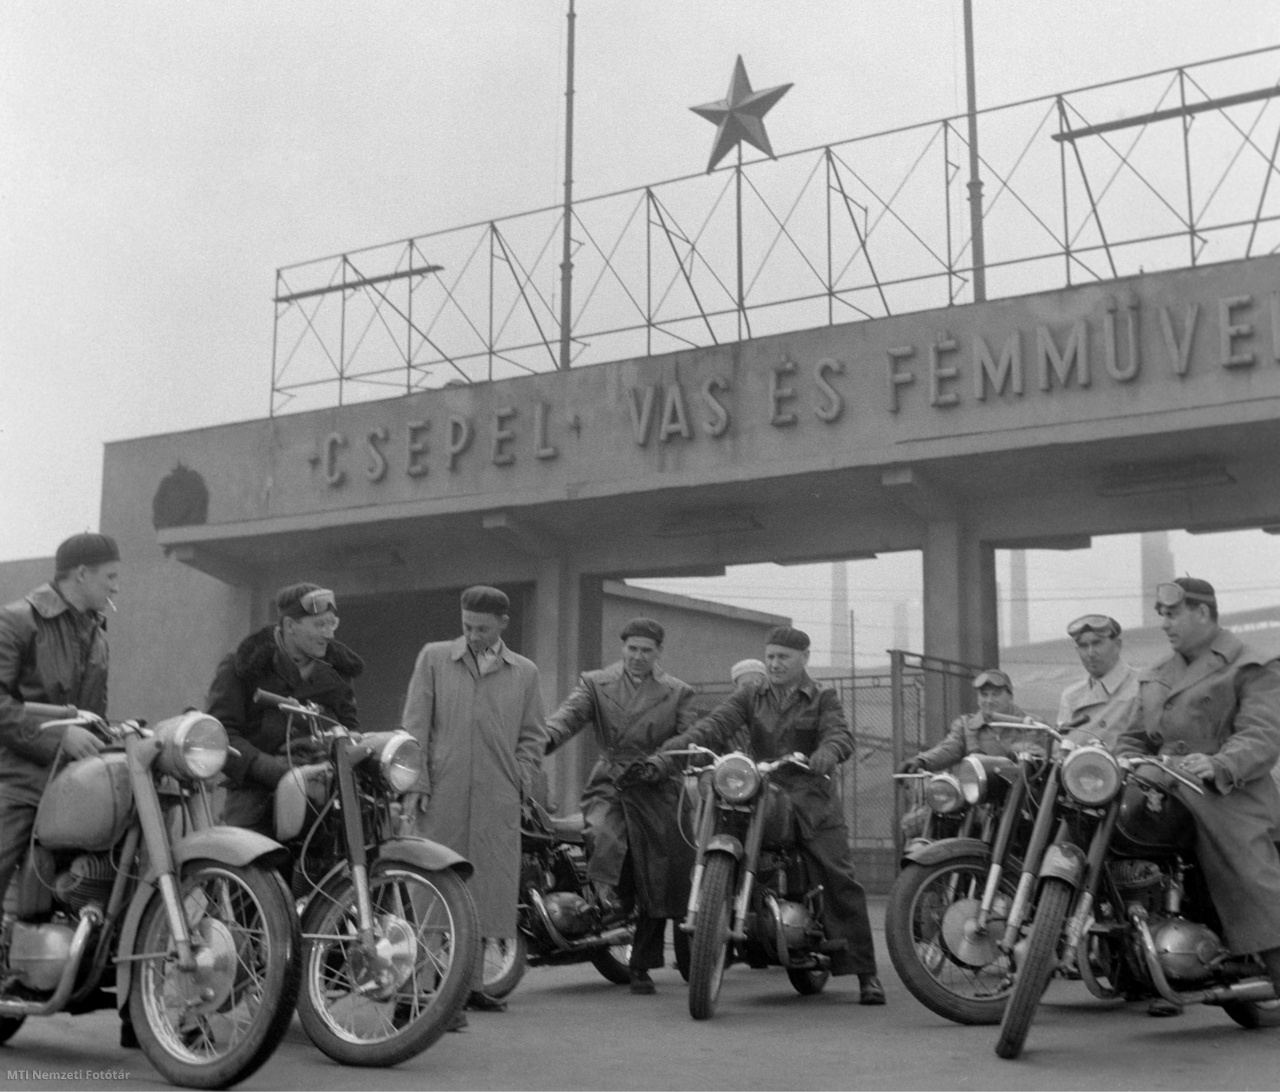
pixel 1040 832
pixel 353 831
pixel 141 754
pixel 706 828
pixel 1095 861
pixel 750 861
pixel 1000 846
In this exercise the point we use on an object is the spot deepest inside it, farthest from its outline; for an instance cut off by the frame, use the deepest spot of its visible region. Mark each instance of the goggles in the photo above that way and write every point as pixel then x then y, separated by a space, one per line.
pixel 993 678
pixel 1094 623
pixel 1170 595
pixel 318 600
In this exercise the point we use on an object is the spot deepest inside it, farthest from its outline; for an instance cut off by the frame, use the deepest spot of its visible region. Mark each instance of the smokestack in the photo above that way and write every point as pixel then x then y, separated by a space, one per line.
pixel 841 638
pixel 1019 607
pixel 1157 568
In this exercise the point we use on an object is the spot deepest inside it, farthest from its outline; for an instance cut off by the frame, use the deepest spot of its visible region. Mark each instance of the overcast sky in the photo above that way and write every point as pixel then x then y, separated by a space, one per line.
pixel 162 159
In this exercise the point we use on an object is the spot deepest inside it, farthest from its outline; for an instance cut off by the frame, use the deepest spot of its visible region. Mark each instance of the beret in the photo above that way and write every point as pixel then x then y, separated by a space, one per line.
pixel 746 667
pixel 86 549
pixel 788 638
pixel 486 600
pixel 643 627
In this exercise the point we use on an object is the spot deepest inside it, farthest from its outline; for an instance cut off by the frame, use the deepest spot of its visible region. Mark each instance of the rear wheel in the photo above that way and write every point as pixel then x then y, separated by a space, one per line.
pixel 380 1007
pixel 9 1026
pixel 614 963
pixel 808 982
pixel 710 948
pixel 1254 1014
pixel 930 928
pixel 214 1026
pixel 505 961
pixel 1036 970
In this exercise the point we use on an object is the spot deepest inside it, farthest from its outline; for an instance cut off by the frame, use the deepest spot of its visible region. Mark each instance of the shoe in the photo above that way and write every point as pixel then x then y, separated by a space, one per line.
pixel 871 993
pixel 641 983
pixel 482 1002
pixel 458 1023
pixel 128 1037
pixel 1160 1007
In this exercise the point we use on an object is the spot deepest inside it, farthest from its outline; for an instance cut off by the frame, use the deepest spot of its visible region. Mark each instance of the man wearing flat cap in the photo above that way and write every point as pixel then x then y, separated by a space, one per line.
pixel 53 649
pixel 975 733
pixel 299 658
pixel 1104 703
pixel 793 713
pixel 476 708
pixel 1212 711
pixel 636 853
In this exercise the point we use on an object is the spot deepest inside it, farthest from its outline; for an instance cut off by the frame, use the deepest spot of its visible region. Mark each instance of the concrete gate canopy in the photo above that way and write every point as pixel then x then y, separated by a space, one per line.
pixel 1137 404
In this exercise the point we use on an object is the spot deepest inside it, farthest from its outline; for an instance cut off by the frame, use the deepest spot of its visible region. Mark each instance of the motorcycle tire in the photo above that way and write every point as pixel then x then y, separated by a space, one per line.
pixel 9 1026
pixel 1036 970
pixel 710 949
pixel 614 963
pixel 947 968
pixel 215 1028
pixel 427 923
pixel 505 961
pixel 808 982
pixel 1254 1014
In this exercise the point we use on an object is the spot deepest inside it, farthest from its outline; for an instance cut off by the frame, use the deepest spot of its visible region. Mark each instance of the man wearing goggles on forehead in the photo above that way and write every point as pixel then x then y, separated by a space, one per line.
pixel 972 733
pixel 299 658
pixel 1105 701
pixel 1213 708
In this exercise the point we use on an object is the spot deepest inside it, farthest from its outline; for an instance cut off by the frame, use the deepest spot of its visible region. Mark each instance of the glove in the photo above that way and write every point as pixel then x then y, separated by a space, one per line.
pixel 656 768
pixel 912 765
pixel 822 763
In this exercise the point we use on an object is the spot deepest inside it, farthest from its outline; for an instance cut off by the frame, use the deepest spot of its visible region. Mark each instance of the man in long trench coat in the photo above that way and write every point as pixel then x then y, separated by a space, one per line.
pixel 1213 707
pixel 633 839
pixel 476 708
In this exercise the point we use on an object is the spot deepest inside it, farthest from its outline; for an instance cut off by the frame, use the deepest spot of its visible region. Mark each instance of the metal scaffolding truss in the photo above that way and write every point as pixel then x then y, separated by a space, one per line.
pixel 1079 186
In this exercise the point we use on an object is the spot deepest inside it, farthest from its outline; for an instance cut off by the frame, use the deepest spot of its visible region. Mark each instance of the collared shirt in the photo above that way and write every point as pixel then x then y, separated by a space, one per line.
pixel 1110 703
pixel 488 658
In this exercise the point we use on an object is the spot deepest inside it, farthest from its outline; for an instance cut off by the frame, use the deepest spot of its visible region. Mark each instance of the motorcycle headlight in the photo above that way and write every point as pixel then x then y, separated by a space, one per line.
pixel 736 778
pixel 1091 775
pixel 942 793
pixel 192 746
pixel 972 776
pixel 399 759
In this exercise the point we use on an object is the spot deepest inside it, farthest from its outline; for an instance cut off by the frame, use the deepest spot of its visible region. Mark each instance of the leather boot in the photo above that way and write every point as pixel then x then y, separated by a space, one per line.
pixel 1271 960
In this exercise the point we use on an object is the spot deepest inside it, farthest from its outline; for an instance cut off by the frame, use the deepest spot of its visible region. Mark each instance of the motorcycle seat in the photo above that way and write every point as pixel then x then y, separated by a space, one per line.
pixel 570 828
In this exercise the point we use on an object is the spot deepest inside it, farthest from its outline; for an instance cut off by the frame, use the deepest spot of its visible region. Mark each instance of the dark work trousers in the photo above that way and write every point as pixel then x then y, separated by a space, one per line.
pixel 646 949
pixel 844 901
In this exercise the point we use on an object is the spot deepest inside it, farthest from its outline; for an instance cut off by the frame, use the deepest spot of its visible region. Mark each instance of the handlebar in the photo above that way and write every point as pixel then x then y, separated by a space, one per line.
pixel 62 712
pixel 1162 762
pixel 291 705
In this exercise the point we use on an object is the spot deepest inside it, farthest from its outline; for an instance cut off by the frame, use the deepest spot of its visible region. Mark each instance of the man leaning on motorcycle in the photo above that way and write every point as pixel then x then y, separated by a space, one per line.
pixel 793 713
pixel 1212 710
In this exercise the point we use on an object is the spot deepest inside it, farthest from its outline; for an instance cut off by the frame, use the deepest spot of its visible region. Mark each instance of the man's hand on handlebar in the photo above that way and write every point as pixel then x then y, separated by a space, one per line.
pixel 912 765
pixel 823 763
pixel 78 742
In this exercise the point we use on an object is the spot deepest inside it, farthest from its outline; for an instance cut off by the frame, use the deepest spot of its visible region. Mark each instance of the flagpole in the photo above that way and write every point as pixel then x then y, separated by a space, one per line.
pixel 975 179
pixel 566 263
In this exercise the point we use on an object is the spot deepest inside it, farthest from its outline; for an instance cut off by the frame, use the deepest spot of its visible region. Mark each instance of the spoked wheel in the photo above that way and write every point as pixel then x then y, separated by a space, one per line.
pixel 212 1027
pixel 808 982
pixel 710 947
pixel 505 961
pixel 1036 970
pixel 937 949
pixel 380 1007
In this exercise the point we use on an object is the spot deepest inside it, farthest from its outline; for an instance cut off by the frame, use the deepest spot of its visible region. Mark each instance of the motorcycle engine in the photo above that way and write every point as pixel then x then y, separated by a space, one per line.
pixel 1139 883
pixel 38 954
pixel 1188 952
pixel 569 913
pixel 795 921
pixel 87 879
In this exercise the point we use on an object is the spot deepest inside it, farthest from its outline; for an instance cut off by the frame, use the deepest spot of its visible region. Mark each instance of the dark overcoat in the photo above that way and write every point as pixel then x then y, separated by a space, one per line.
pixel 1226 704
pixel 630 723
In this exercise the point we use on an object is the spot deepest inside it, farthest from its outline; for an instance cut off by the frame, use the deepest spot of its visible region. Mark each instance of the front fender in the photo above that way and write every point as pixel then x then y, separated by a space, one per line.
pixel 1063 861
pixel 725 843
pixel 946 849
pixel 226 845
pixel 426 854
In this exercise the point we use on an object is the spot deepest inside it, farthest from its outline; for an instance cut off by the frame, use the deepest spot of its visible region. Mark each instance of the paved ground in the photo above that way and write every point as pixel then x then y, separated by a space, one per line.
pixel 569 1029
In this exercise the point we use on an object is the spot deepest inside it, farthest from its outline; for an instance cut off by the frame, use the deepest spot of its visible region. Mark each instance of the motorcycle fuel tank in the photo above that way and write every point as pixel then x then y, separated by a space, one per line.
pixel 1152 823
pixel 87 804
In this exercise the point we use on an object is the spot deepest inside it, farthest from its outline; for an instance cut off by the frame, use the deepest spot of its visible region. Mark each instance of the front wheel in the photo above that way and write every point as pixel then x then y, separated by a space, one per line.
pixel 931 929
pixel 710 946
pixel 505 961
pixel 379 1006
pixel 214 1026
pixel 1035 971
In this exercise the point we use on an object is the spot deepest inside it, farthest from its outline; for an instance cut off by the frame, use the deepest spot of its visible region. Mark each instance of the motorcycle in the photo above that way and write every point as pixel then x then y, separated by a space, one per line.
pixel 558 919
pixel 1110 886
pixel 390 935
pixel 947 907
pixel 127 867
pixel 752 897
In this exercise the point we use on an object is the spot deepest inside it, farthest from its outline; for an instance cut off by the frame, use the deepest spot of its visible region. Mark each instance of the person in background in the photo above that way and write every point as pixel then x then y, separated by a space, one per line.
pixel 973 733
pixel 299 658
pixel 476 708
pixel 794 713
pixel 748 673
pixel 1104 703
pixel 636 853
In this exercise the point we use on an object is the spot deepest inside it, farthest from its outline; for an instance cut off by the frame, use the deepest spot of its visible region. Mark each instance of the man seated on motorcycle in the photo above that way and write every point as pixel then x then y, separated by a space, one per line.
pixel 793 713
pixel 1105 702
pixel 973 733
pixel 297 658
pixel 1212 710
